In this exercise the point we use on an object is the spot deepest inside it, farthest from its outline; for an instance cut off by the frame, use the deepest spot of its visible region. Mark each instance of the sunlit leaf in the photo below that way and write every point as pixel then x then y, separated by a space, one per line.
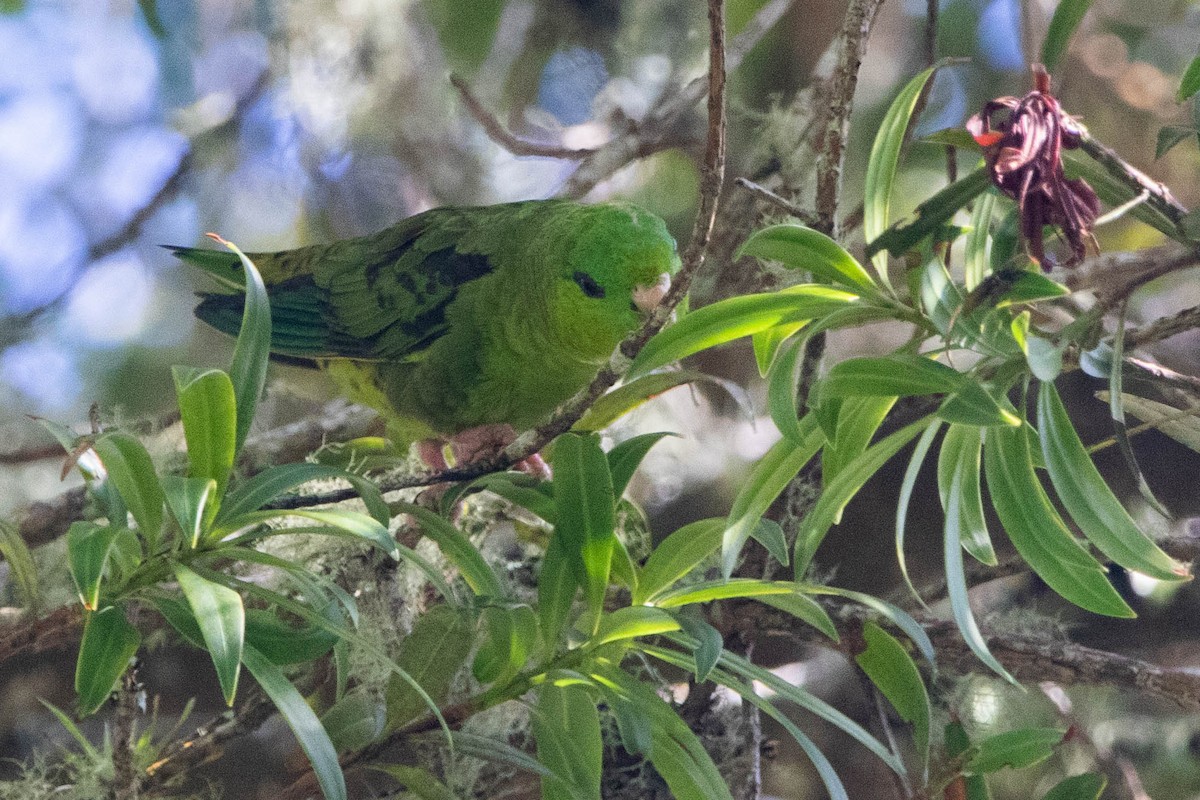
pixel 269 484
pixel 881 166
pixel 208 409
pixel 512 636
pixel 1190 83
pixel 632 622
pixel 931 215
pixel 731 319
pixel 248 371
pixel 975 257
pixel 624 458
pixel 556 593
pixel 189 500
pixel 958 483
pixel 803 248
pixel 585 512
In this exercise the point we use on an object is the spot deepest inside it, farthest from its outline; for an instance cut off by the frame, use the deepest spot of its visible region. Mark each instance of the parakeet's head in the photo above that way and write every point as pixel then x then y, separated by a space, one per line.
pixel 618 268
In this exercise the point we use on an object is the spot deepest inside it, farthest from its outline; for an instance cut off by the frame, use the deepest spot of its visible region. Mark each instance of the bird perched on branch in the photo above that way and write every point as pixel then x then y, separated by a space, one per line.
pixel 460 325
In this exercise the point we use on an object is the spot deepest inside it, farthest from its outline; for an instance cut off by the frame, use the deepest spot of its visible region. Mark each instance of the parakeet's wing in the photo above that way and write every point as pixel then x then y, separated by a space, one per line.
pixel 379 297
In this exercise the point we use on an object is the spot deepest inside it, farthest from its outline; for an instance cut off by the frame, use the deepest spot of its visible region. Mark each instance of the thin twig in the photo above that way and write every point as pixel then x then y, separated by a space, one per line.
pixel 126 780
pixel 805 216
pixel 1137 181
pixel 502 136
pixel 1165 328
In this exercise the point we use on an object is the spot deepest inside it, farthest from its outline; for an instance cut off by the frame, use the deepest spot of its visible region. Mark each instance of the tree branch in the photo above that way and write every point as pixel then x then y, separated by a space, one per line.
pixel 506 138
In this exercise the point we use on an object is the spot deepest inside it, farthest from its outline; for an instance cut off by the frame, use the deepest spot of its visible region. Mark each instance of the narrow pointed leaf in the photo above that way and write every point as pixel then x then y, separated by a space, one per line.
pixel 677 555
pixel 803 608
pixel 1037 531
pixel 894 614
pixel 624 458
pixel 585 513
pixel 109 642
pixel 632 622
pixel 222 619
pixel 958 475
pixel 892 670
pixel 1087 786
pixel 736 317
pixel 353 722
pixel 906 490
pixel 895 375
pixel 189 500
pixel 304 723
pixel 847 484
pixel 975 259
pixel 930 215
pixel 708 591
pixel 1190 83
pixel 769 477
pixel 130 469
pixel 88 546
pixel 556 593
pixel 208 409
pixel 269 484
pixel 709 644
pixel 973 404
pixel 881 166
pixel 801 247
pixel 1089 501
pixel 248 371
pixel 431 656
pixel 458 549
pixel 1017 749
pixel 1067 16
pixel 566 726
pixel 22 568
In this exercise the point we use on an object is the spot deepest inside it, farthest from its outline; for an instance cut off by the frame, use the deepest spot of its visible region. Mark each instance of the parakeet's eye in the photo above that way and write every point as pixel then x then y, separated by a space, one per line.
pixel 589 285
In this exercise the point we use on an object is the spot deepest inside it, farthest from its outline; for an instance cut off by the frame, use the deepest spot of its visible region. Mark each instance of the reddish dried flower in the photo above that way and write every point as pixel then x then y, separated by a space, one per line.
pixel 1023 151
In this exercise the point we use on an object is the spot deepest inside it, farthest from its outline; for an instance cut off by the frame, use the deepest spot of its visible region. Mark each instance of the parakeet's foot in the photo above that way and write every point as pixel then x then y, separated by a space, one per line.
pixel 475 443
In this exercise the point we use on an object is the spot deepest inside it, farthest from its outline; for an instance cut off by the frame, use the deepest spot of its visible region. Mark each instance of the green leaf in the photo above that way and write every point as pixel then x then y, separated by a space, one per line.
pixel 1171 135
pixel 894 614
pixel 190 501
pixel 22 569
pixel 892 670
pixel 839 492
pixel 269 484
pixel 517 488
pixel 248 371
pixel 885 156
pixel 353 722
pixel 130 469
pixel 770 535
pixel 901 374
pixel 149 10
pixel 456 547
pixel 1017 749
pixel 628 396
pixel 331 521
pixel 482 747
pixel 803 608
pixel 1067 16
pixel 1190 83
pixel 417 781
pixel 931 215
pixel 1037 531
pixel 1087 786
pixel 724 589
pixel 736 317
pixel 585 512
pixel 975 258
pixel 709 643
pixel 109 642
pixel 632 622
pixel 431 655
pixel 88 545
pixel 974 405
pixel 1089 501
pixel 1182 426
pixel 858 420
pixel 624 458
pixel 566 726
pixel 556 593
pixel 970 787
pixel 208 409
pixel 222 619
pixel 512 635
pixel 769 477
pixel 958 482
pixel 1024 286
pixel 300 717
pixel 906 490
pixel 675 751
pixel 283 643
pixel 801 247
pixel 676 556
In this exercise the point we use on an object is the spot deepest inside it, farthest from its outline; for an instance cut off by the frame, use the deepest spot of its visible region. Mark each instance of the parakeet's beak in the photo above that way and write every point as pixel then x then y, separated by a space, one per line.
pixel 646 298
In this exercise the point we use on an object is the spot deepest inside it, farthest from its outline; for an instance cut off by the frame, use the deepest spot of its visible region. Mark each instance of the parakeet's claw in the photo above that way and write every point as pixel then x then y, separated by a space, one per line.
pixel 476 443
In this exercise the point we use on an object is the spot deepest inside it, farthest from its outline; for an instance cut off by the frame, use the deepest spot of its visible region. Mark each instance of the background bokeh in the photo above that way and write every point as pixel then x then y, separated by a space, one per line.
pixel 281 123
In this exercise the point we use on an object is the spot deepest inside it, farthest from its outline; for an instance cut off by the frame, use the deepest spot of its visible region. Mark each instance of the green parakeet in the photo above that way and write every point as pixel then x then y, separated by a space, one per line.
pixel 460 322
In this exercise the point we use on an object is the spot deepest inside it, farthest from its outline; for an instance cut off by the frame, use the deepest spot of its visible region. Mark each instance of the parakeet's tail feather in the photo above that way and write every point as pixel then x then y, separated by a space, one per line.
pixel 226 267
pixel 224 312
